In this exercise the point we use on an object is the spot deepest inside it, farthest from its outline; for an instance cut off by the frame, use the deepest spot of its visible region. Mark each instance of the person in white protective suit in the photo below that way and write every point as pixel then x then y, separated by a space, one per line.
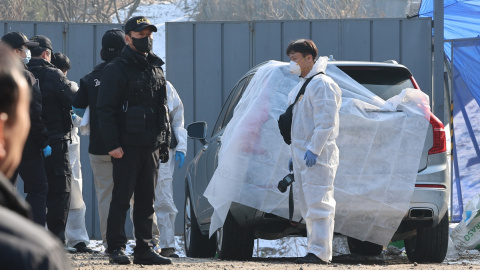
pixel 163 229
pixel 315 125
pixel 75 231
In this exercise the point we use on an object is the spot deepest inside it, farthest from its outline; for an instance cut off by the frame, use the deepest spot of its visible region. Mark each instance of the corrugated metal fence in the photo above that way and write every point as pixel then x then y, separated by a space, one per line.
pixel 205 60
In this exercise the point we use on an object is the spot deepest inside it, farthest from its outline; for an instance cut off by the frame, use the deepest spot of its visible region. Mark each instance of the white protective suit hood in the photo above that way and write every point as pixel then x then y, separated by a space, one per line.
pixel 253 156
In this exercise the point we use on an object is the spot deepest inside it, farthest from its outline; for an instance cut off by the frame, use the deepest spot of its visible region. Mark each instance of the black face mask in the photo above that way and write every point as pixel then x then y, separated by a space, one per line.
pixel 144 44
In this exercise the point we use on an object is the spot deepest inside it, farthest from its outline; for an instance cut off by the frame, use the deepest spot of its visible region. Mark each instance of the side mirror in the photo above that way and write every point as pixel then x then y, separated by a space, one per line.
pixel 197 131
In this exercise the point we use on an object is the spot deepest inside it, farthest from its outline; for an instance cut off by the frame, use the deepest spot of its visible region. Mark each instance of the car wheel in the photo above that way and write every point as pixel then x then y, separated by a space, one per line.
pixel 430 244
pixel 233 241
pixel 197 245
pixel 363 248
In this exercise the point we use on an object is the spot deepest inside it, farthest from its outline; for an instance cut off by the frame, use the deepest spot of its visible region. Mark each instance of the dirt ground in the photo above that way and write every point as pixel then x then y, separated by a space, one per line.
pixel 100 261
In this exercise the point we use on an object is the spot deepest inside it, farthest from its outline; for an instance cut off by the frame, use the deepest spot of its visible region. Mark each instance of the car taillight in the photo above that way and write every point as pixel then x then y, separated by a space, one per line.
pixel 439 141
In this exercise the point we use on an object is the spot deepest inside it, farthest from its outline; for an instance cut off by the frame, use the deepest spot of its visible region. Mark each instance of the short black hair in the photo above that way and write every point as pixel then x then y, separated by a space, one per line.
pixel 303 46
pixel 9 92
pixel 37 51
pixel 61 61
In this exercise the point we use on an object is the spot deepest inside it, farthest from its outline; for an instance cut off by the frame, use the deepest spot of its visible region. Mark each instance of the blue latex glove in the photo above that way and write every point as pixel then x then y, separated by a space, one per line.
pixel 180 156
pixel 73 116
pixel 310 158
pixel 290 165
pixel 47 151
pixel 78 111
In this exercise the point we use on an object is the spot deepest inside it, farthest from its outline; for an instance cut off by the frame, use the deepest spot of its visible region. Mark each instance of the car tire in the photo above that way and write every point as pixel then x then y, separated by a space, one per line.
pixel 197 245
pixel 430 244
pixel 233 241
pixel 363 248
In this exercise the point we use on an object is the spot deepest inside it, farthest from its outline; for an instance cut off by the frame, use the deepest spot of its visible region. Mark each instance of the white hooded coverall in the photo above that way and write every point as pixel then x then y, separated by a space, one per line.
pixel 165 210
pixel 75 230
pixel 315 125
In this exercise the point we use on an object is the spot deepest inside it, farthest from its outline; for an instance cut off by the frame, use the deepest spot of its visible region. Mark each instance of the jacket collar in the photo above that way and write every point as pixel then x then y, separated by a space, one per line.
pixel 40 62
pixel 319 66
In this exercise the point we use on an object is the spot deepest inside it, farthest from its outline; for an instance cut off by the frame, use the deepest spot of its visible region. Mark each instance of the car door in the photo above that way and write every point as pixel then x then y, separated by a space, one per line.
pixel 209 160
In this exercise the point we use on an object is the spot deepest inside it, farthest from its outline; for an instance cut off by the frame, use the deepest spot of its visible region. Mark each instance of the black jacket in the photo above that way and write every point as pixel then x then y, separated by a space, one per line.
pixel 133 89
pixel 87 96
pixel 57 97
pixel 37 137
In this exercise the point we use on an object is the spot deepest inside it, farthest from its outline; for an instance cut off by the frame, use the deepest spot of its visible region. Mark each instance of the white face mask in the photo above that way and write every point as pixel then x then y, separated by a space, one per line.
pixel 295 67
pixel 28 56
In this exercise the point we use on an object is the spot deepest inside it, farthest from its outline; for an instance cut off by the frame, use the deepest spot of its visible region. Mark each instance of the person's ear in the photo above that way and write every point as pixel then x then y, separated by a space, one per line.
pixel 3 121
pixel 128 39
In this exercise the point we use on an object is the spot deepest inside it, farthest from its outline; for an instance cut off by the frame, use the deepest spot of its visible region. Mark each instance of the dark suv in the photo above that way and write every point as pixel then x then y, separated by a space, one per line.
pixel 424 227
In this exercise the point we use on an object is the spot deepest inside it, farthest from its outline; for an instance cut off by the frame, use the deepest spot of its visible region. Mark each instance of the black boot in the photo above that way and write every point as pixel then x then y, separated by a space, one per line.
pixel 82 248
pixel 310 258
pixel 118 256
pixel 169 252
pixel 149 257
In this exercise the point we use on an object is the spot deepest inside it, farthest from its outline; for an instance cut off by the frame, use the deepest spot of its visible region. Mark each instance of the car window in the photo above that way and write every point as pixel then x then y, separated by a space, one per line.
pixel 237 89
pixel 385 82
pixel 231 108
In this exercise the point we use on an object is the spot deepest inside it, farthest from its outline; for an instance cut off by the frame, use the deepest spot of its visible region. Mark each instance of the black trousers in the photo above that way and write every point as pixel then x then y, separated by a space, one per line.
pixel 32 171
pixel 59 176
pixel 136 171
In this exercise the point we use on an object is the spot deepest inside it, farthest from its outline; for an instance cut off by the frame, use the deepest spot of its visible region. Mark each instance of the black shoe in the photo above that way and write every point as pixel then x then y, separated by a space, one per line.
pixel 310 258
pixel 169 252
pixel 82 248
pixel 150 257
pixel 118 256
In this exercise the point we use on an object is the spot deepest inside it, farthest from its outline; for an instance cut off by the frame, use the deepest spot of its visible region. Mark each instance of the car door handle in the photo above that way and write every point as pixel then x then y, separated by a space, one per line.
pixel 204 148
pixel 219 139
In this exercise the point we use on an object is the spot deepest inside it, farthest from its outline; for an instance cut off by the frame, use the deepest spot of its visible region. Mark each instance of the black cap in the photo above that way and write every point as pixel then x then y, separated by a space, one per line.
pixel 42 41
pixel 113 40
pixel 17 39
pixel 138 23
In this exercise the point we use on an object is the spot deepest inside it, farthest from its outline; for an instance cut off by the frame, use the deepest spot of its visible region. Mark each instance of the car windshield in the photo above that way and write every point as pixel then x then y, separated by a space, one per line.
pixel 385 82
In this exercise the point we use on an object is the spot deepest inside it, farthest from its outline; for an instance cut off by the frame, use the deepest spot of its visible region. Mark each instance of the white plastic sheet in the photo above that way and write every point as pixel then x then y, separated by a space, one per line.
pixel 380 150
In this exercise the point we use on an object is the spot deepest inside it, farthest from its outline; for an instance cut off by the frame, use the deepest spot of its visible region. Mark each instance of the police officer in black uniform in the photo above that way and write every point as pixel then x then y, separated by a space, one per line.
pixel 57 96
pixel 31 167
pixel 133 116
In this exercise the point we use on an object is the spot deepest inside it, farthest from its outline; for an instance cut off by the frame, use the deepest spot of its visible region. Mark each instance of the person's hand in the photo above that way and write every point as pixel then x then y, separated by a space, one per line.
pixel 310 158
pixel 180 156
pixel 290 165
pixel 74 116
pixel 47 151
pixel 78 111
pixel 116 153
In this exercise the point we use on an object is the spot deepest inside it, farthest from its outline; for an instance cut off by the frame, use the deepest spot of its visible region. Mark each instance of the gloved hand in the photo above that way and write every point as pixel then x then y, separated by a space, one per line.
pixel 180 156
pixel 78 111
pixel 310 158
pixel 47 151
pixel 74 116
pixel 290 165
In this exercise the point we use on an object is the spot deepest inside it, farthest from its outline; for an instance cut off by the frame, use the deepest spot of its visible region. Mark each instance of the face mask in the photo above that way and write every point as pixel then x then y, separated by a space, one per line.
pixel 144 44
pixel 295 67
pixel 27 57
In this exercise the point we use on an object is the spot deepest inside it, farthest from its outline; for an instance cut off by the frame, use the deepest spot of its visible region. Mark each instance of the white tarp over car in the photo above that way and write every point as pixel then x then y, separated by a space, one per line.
pixel 380 145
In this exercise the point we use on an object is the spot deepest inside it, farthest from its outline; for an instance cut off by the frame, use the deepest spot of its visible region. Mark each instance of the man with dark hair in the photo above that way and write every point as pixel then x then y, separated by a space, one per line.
pixel 24 245
pixel 57 95
pixel 62 62
pixel 315 125
pixel 113 42
pixel 31 167
pixel 134 123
